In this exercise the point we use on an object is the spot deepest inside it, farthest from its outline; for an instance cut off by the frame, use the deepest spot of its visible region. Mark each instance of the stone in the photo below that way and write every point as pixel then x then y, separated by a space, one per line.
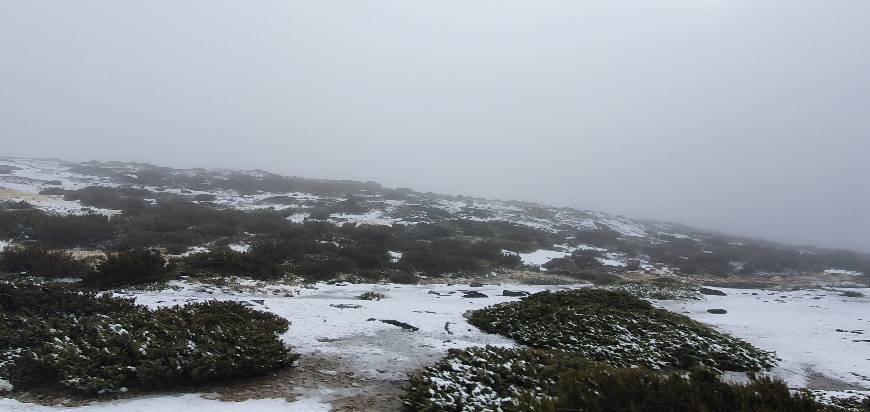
pixel 713 292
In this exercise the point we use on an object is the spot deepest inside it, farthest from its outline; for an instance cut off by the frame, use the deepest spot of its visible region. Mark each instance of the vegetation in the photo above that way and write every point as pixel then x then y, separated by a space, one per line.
pixel 619 329
pixel 372 296
pixel 36 260
pixel 130 267
pixel 54 337
pixel 490 378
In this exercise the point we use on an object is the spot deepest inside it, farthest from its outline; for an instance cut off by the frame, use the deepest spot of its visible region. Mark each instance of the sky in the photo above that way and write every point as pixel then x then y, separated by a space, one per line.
pixel 748 117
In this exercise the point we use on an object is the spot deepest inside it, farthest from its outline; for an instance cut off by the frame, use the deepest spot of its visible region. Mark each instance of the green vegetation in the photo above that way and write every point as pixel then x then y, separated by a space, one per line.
pixel 372 296
pixel 36 260
pixel 618 329
pixel 53 337
pixel 489 378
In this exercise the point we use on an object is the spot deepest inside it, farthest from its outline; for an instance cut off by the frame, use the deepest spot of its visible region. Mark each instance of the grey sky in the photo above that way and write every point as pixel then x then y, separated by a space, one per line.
pixel 751 117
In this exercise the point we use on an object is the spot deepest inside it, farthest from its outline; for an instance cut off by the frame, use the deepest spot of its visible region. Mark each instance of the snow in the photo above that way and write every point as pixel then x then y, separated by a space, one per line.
pixel 187 403
pixel 373 217
pixel 5 386
pixel 4 243
pixel 240 247
pixel 194 250
pixel 395 256
pixel 542 256
pixel 318 327
pixel 843 272
pixel 800 326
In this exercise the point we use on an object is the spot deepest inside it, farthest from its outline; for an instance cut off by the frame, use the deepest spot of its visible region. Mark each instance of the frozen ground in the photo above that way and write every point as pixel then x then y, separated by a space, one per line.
pixel 822 337
pixel 331 322
pixel 186 403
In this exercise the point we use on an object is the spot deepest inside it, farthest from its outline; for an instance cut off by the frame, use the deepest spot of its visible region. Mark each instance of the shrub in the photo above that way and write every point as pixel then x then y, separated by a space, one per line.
pixel 509 379
pixel 130 267
pixel 229 262
pixel 51 336
pixel 372 296
pixel 620 329
pixel 38 261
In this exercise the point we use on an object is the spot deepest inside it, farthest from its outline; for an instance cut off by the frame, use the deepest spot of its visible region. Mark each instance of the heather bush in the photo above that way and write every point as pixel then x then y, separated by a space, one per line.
pixel 81 341
pixel 509 379
pixel 38 261
pixel 620 329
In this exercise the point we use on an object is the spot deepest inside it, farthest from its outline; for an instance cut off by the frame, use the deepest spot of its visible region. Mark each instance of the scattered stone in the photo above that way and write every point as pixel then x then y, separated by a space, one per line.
pixel 475 285
pixel 717 311
pixel 712 292
pixel 402 325
pixel 474 294
pixel 447 328
pixel 346 306
pixel 514 293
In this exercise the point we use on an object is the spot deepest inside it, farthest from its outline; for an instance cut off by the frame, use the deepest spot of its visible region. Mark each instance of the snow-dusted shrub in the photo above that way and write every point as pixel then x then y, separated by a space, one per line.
pixel 507 379
pixel 619 329
pixel 50 337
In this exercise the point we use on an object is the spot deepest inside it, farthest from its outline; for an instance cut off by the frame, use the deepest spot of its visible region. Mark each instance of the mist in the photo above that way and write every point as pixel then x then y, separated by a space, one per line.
pixel 739 116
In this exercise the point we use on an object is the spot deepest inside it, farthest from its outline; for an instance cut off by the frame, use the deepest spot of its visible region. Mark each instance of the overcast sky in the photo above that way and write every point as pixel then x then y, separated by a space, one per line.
pixel 750 117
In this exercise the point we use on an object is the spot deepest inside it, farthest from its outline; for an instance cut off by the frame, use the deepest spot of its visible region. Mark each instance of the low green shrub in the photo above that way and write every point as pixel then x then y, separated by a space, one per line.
pixel 619 329
pixel 372 296
pixel 55 337
pixel 507 379
pixel 130 267
pixel 38 261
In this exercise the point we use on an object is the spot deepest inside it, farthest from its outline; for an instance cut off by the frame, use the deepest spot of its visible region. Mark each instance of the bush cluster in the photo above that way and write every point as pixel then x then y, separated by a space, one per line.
pixel 620 329
pixel 38 261
pixel 489 378
pixel 54 337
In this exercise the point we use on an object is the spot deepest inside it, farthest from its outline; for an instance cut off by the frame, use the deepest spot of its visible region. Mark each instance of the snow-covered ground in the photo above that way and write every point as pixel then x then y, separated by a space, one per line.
pixel 331 321
pixel 186 403
pixel 820 335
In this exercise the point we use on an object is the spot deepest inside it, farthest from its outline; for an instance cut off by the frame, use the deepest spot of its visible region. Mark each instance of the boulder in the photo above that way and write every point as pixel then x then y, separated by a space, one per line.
pixel 713 292
pixel 717 311
pixel 473 294
pixel 514 293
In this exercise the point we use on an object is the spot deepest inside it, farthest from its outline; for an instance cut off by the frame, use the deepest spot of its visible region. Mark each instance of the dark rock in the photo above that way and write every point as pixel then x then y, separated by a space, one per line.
pixel 475 285
pixel 717 311
pixel 713 292
pixel 346 306
pixel 473 294
pixel 402 325
pixel 514 293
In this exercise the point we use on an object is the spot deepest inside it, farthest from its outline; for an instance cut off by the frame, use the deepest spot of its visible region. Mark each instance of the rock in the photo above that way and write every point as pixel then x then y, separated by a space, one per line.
pixel 259 301
pixel 346 306
pixel 473 294
pixel 514 293
pixel 402 325
pixel 713 292
pixel 5 386
pixel 475 285
pixel 717 311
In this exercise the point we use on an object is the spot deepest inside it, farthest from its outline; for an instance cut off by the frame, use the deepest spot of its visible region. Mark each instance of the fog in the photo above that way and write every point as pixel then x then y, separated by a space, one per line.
pixel 741 116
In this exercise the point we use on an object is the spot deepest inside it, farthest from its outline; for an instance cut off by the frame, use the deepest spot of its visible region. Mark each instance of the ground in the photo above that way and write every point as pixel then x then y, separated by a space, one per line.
pixel 352 361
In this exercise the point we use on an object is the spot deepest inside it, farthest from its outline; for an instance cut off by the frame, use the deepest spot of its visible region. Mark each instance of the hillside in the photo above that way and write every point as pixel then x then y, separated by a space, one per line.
pixel 466 234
